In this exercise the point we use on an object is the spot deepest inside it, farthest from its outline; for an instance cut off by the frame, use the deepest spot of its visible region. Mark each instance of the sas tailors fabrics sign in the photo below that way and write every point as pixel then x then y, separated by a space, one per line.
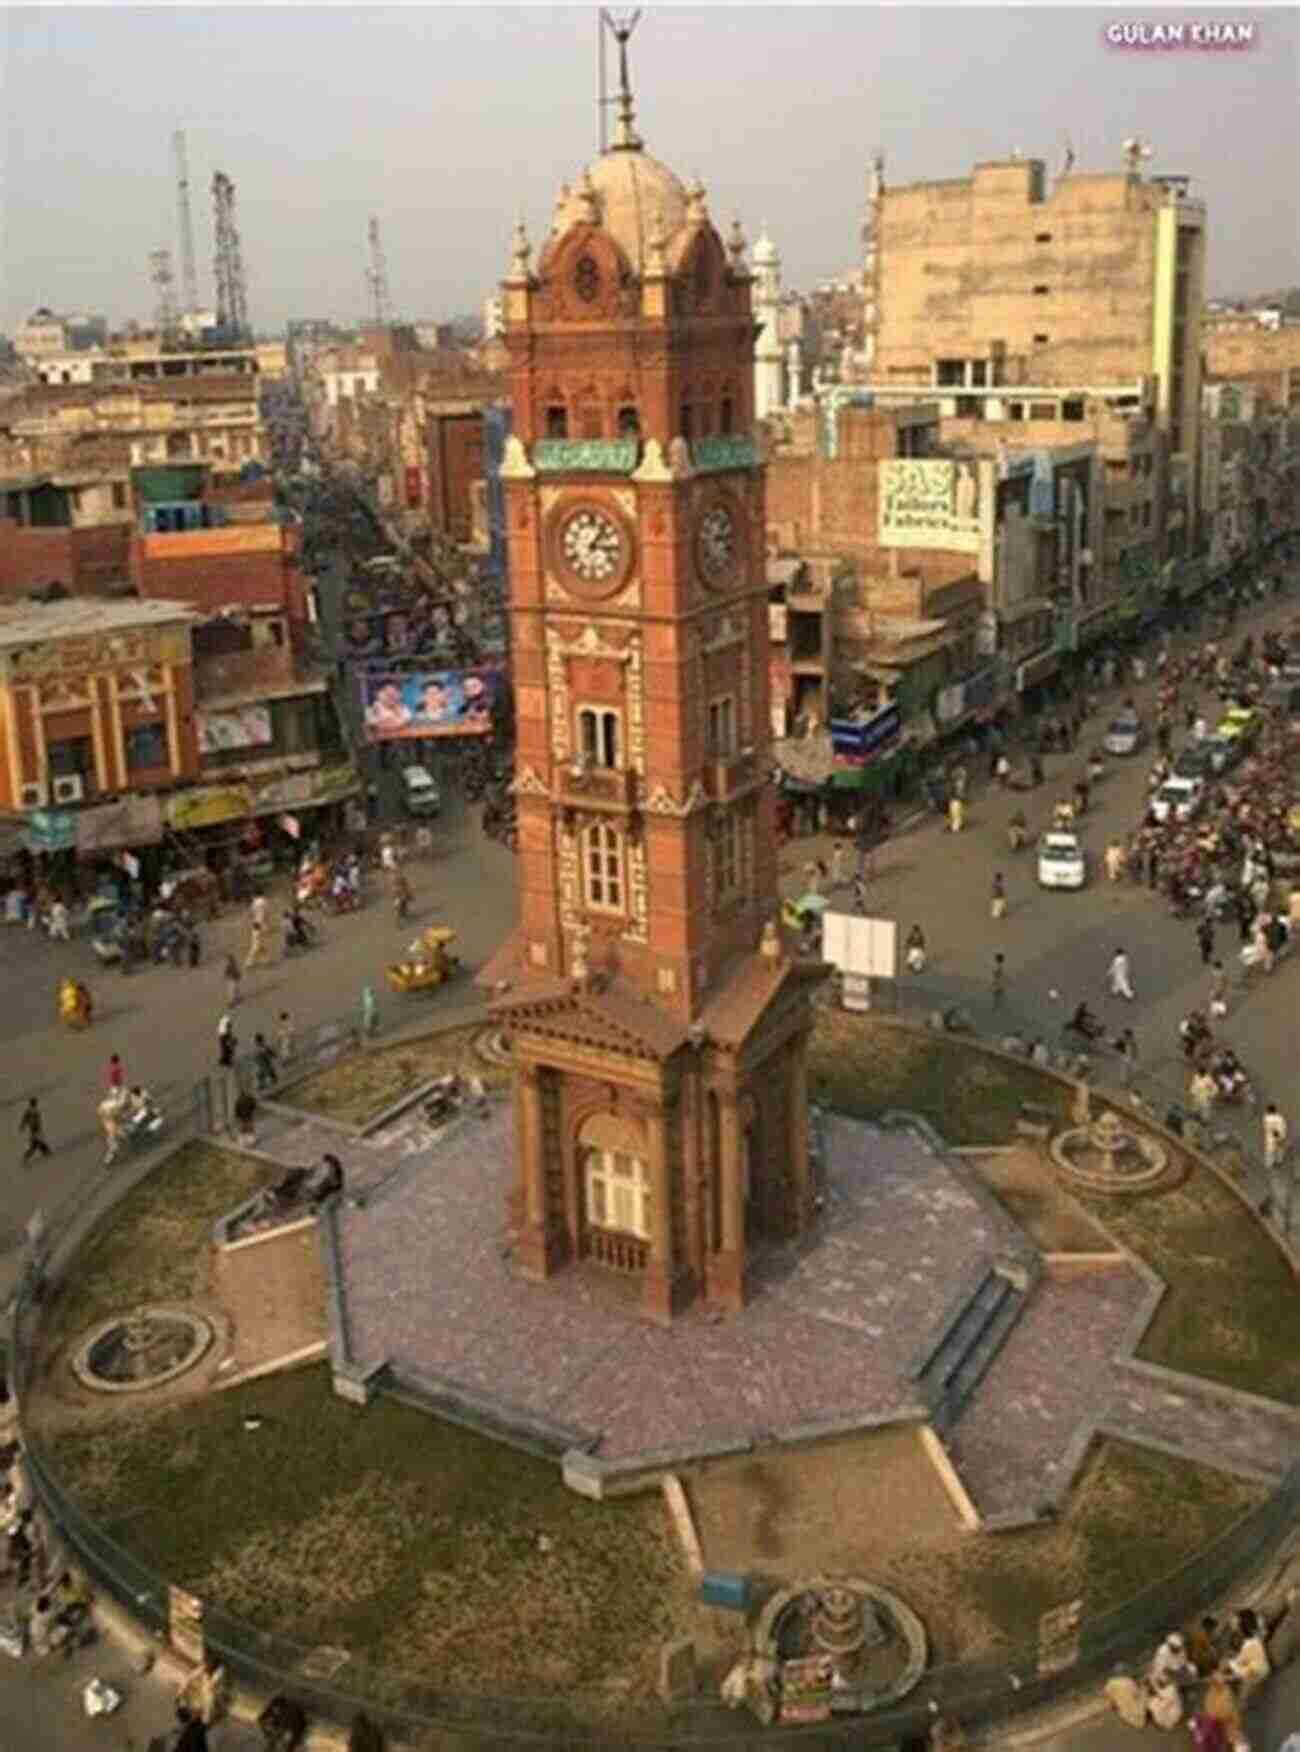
pixel 444 702
pixel 932 503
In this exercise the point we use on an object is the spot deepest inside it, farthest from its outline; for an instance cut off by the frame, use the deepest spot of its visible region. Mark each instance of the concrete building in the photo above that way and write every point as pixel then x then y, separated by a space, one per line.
pixel 657 1025
pixel 1239 351
pixel 42 335
pixel 96 699
pixel 769 351
pixel 69 528
pixel 1017 299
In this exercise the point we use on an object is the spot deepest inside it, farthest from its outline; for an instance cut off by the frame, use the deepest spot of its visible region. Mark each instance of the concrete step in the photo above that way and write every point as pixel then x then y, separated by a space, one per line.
pixel 966 1345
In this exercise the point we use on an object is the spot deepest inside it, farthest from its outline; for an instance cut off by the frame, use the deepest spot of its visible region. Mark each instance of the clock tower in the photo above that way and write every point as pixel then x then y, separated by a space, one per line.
pixel 657 1022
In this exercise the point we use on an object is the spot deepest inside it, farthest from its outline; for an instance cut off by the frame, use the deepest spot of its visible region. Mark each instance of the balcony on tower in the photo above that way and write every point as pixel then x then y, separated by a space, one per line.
pixel 582 784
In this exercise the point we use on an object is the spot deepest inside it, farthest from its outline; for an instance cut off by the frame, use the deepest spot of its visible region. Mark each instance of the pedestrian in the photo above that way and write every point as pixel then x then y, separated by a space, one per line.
pixel 59 932
pixel 264 1058
pixel 256 946
pixel 840 868
pixel 1276 1132
pixel 1002 770
pixel 33 1125
pixel 369 1012
pixel 914 949
pixel 1127 1047
pixel 227 1047
pixel 194 946
pixel 956 813
pixel 114 1075
pixel 1121 985
pixel 999 980
pixel 998 904
pixel 1114 861
pixel 1201 1091
pixel 232 977
pixel 245 1117
pixel 284 1041
pixel 1219 991
pixel 1205 938
pixel 259 910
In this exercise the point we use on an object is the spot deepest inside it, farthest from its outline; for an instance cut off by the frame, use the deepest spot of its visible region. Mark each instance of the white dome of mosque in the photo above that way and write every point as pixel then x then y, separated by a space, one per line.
pixel 765 253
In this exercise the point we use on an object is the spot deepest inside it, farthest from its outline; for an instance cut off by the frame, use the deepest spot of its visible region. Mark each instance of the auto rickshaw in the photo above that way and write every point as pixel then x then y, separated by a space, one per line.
pixel 429 962
pixel 75 1008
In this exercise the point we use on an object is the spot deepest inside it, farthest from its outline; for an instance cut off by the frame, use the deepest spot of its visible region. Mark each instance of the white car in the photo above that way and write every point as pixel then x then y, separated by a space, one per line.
pixel 1062 862
pixel 1179 798
pixel 421 791
pixel 1125 734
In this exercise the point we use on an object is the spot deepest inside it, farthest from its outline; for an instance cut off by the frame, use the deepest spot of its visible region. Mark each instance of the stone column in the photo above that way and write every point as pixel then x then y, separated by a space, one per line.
pixel 660 1273
pixel 529 1197
pixel 726 1279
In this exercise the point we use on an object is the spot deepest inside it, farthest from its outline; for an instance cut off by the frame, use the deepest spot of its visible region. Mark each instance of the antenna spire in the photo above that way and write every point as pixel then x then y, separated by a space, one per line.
pixel 620 26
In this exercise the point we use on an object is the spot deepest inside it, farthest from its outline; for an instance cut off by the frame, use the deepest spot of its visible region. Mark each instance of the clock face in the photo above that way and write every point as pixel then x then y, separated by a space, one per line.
pixel 591 545
pixel 715 544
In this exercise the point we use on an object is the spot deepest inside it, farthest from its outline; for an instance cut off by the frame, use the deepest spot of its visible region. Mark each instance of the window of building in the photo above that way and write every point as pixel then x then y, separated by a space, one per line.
pixel 119 496
pixel 557 420
pixel 1042 410
pixel 146 746
pixel 629 421
pixel 1041 291
pixel 1071 410
pixel 722 727
pixel 602 868
pixel 1146 514
pixel 979 373
pixel 1040 340
pixel 1015 410
pixel 1042 237
pixel 686 421
pixel 949 373
pixel 726 417
pixel 618 1192
pixel 598 735
pixel 725 855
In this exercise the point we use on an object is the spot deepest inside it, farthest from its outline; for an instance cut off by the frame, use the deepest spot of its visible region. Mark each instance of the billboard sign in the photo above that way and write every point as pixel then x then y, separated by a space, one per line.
pixel 929 503
pixel 442 702
pixel 858 739
pixel 244 727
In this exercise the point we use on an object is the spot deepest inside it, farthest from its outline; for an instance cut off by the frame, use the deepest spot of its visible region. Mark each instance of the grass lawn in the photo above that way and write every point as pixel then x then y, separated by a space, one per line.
pixel 1232 1306
pixel 864 1067
pixel 152 1246
pixel 409 1542
pixel 361 1085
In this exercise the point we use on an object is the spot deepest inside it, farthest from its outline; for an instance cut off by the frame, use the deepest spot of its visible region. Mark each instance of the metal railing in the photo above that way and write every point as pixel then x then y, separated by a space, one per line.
pixel 985 1690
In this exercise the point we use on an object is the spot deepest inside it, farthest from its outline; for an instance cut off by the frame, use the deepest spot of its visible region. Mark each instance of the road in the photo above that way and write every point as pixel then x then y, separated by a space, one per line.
pixel 163 1022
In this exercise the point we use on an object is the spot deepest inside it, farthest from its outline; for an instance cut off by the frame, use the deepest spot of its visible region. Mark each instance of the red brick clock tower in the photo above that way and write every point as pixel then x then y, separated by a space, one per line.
pixel 657 1023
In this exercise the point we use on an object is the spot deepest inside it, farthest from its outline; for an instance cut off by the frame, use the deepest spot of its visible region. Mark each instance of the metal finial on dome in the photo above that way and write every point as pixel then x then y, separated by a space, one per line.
pixel 621 26
pixel 697 203
pixel 561 203
pixel 588 201
pixel 736 245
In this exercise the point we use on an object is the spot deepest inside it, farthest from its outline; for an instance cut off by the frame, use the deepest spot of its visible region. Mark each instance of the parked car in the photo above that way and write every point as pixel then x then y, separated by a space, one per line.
pixel 1179 798
pixel 1062 862
pixel 1125 735
pixel 420 789
pixel 1196 761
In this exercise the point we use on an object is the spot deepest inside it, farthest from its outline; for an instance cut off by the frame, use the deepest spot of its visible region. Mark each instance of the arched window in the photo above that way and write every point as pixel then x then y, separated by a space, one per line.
pixel 629 421
pixel 598 735
pixel 557 420
pixel 727 417
pixel 602 868
pixel 616 1180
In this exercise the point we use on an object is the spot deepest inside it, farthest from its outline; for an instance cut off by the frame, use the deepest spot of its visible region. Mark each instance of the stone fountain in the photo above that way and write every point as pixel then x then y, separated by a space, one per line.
pixel 1105 1155
pixel 149 1347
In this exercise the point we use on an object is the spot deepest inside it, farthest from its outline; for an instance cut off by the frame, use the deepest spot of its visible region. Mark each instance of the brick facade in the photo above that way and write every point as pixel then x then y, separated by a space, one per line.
pixel 85 561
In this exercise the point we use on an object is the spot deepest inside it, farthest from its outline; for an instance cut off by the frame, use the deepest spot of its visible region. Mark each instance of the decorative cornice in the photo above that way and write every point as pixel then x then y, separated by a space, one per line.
pixel 529 784
pixel 662 802
pixel 585 455
pixel 590 644
pixel 514 462
pixel 713 455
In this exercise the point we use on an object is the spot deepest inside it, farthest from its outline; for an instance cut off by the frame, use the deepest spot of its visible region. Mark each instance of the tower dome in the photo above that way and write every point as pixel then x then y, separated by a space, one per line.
pixel 633 193
pixel 765 255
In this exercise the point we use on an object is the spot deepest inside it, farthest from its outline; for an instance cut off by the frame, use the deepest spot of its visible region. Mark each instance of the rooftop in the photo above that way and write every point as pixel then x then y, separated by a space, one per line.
pixel 28 623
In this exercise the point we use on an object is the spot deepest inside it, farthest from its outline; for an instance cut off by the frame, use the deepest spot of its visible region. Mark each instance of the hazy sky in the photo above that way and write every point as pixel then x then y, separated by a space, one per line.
pixel 444 121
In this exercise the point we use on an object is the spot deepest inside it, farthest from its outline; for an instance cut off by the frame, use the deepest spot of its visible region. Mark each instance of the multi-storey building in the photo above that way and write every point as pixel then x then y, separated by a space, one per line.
pixel 658 1027
pixel 1019 300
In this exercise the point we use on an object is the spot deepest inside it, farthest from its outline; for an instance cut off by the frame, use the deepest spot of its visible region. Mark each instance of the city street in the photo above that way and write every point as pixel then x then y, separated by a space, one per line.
pixel 163 1020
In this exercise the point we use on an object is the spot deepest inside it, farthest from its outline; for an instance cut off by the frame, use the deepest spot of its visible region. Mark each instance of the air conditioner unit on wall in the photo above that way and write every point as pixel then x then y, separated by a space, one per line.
pixel 70 789
pixel 33 796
